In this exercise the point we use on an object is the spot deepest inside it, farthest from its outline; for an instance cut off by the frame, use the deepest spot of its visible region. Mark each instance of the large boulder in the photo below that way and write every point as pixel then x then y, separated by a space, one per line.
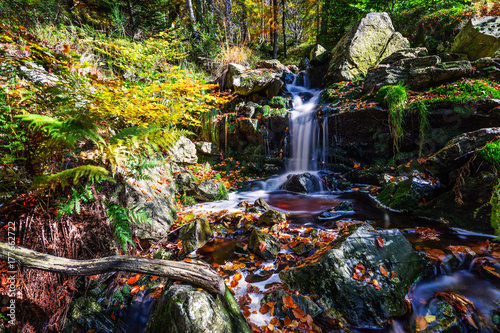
pixel 405 54
pixel 185 309
pixel 263 244
pixel 151 198
pixel 368 42
pixel 302 183
pixel 271 217
pixel 184 151
pixel 195 234
pixel 479 38
pixel 364 278
pixel 246 81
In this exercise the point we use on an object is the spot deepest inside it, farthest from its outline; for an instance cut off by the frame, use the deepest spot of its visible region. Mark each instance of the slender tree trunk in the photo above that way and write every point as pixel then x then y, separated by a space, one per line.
pixel 192 19
pixel 283 27
pixel 228 13
pixel 244 36
pixel 131 16
pixel 275 29
pixel 199 13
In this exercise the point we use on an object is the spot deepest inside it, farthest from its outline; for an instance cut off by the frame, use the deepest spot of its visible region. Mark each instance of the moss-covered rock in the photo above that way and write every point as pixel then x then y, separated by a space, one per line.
pixel 271 217
pixel 263 244
pixel 209 190
pixel 185 309
pixel 479 38
pixel 304 303
pixel 338 279
pixel 406 194
pixel 195 234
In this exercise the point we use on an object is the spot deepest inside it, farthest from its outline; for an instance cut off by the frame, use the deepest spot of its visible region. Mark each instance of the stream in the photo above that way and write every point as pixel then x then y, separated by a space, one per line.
pixel 455 252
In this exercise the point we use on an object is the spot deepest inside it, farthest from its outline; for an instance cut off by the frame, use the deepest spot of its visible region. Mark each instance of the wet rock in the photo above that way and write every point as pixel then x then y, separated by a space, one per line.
pixel 318 55
pixel 304 63
pixel 186 309
pixel 302 183
pixel 183 180
pixel 304 303
pixel 370 176
pixel 247 109
pixel 184 151
pixel 220 230
pixel 263 244
pixel 349 284
pixel 209 190
pixel 302 249
pixel 472 211
pixel 272 64
pixel 245 81
pixel 456 151
pixel 236 219
pixel 368 42
pixel 280 102
pixel 305 96
pixel 289 78
pixel 301 79
pixel 163 254
pixel 87 313
pixel 159 207
pixel 342 209
pixel 479 38
pixel 271 217
pixel 406 194
pixel 262 204
pixel 195 234
pixel 445 319
pixel 293 68
pixel 405 54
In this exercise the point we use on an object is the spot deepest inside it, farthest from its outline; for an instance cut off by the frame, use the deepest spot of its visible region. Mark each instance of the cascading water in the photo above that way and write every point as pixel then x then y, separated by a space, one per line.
pixel 308 134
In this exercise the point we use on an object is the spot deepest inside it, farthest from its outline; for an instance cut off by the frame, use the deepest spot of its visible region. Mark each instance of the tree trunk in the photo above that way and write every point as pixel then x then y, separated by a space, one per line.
pixel 228 16
pixel 198 274
pixel 283 26
pixel 275 29
pixel 199 13
pixel 192 19
pixel 131 16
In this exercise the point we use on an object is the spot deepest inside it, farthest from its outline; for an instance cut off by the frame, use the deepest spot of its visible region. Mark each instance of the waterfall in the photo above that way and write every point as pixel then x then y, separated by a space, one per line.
pixel 308 132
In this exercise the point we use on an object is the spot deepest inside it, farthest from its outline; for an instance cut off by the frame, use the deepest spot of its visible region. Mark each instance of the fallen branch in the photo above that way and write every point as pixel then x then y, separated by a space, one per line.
pixel 199 274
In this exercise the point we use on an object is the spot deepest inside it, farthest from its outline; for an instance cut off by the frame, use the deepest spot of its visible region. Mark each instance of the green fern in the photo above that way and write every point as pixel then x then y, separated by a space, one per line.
pixel 73 204
pixel 93 173
pixel 64 133
pixel 120 218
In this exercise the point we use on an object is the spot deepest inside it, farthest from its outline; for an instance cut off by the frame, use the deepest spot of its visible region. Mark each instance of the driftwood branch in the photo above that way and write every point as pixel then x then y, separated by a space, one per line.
pixel 199 274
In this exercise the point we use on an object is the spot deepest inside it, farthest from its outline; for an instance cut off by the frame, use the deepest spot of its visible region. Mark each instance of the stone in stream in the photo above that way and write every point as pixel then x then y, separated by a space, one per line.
pixel 263 244
pixel 304 303
pixel 354 280
pixel 186 309
pixel 342 209
pixel 318 55
pixel 209 190
pixel 195 234
pixel 302 183
pixel 302 249
pixel 479 38
pixel 271 217
pixel 369 41
pixel 262 204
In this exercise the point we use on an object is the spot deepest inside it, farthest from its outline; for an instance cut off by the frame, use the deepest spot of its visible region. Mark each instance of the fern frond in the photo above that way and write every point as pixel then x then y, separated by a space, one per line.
pixel 65 133
pixel 120 218
pixel 92 172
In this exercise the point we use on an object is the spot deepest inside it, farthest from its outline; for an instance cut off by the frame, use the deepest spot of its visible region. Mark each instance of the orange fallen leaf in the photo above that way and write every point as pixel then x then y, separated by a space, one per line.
pixel 383 271
pixel 380 242
pixel 262 246
pixel 135 289
pixel 275 321
pixel 287 321
pixel 237 276
pixel 234 283
pixel 264 309
pixel 420 323
pixel 298 313
pixel 133 279
pixel 288 301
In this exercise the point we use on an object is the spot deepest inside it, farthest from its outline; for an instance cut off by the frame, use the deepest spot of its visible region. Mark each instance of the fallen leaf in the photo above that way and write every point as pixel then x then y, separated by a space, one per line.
pixel 275 321
pixel 298 313
pixel 262 246
pixel 287 321
pixel 288 301
pixel 380 242
pixel 420 323
pixel 383 271
pixel 133 279
pixel 237 276
pixel 135 289
pixel 264 309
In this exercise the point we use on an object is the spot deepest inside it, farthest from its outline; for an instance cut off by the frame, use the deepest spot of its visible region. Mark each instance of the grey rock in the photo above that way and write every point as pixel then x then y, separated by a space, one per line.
pixel 348 297
pixel 184 151
pixel 304 303
pixel 302 183
pixel 195 234
pixel 185 309
pixel 207 148
pixel 262 204
pixel 263 244
pixel 405 54
pixel 479 38
pixel 432 60
pixel 271 217
pixel 209 190
pixel 369 41
pixel 318 55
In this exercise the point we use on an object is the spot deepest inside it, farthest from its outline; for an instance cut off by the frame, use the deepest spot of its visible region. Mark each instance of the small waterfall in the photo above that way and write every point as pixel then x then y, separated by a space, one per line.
pixel 308 131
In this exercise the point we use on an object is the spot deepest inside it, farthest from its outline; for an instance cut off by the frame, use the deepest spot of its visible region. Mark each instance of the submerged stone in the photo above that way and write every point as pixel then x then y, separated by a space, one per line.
pixel 354 281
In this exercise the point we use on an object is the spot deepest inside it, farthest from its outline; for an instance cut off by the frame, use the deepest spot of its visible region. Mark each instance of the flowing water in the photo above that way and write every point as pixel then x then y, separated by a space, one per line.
pixel 453 276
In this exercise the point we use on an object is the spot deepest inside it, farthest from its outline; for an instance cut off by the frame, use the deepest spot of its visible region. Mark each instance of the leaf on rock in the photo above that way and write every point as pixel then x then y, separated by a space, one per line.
pixel 383 271
pixel 262 246
pixel 420 323
pixel 298 313
pixel 380 242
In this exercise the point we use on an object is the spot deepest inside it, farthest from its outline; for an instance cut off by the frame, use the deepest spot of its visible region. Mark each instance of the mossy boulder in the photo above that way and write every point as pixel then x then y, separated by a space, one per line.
pixel 302 249
pixel 318 55
pixel 354 280
pixel 185 309
pixel 271 217
pixel 406 195
pixel 445 318
pixel 263 244
pixel 480 38
pixel 368 42
pixel 280 102
pixel 195 234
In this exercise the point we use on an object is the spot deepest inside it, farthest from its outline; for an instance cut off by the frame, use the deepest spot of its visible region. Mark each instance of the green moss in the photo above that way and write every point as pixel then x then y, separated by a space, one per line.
pixel 395 98
pixel 491 153
pixel 495 210
pixel 222 195
pixel 341 90
pixel 398 196
pixel 463 91
pixel 278 102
